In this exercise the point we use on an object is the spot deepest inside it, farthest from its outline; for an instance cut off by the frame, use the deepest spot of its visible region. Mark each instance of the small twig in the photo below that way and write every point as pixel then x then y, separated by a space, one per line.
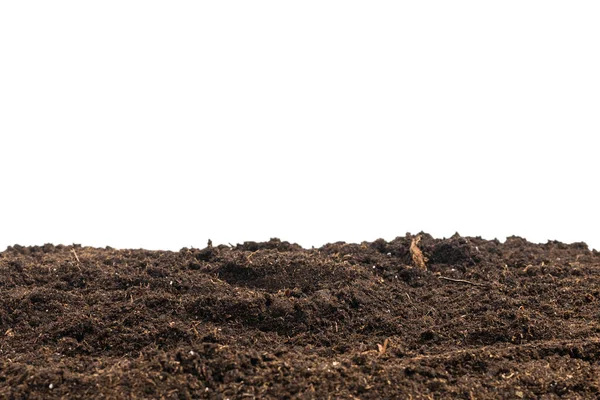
pixel 459 280
pixel 77 258
pixel 508 376
pixel 249 256
pixel 382 348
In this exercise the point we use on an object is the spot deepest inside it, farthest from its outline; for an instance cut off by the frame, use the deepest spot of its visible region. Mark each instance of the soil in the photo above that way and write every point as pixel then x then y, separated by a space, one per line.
pixel 482 319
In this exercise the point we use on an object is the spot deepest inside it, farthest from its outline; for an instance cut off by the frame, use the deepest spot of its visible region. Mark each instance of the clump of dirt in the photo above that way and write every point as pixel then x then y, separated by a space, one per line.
pixel 414 317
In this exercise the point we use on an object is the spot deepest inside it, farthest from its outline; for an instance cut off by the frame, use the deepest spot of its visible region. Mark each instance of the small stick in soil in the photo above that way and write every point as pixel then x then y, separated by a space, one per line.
pixel 417 255
pixel 382 348
pixel 77 258
pixel 459 280
pixel 249 256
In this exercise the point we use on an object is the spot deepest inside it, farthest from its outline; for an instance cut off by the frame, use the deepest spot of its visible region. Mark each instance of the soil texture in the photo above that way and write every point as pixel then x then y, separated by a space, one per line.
pixel 415 317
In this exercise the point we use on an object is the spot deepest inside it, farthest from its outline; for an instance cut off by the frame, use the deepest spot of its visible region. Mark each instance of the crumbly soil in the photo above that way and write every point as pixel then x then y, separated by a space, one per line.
pixel 484 320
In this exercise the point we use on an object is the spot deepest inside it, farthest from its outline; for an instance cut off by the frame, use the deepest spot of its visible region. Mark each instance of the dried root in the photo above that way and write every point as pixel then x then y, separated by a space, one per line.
pixel 383 348
pixel 418 258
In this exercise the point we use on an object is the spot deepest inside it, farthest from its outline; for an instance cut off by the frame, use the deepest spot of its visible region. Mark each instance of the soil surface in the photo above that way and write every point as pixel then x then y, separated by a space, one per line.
pixel 483 319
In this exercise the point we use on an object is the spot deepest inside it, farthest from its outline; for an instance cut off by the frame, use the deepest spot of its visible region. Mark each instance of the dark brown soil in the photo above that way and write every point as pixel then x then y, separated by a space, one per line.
pixel 273 320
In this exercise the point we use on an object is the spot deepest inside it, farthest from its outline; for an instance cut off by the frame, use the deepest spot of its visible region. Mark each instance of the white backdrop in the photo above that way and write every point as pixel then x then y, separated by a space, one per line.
pixel 162 124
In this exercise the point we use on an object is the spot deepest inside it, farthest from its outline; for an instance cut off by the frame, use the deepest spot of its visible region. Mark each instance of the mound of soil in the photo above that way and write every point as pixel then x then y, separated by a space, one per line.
pixel 484 319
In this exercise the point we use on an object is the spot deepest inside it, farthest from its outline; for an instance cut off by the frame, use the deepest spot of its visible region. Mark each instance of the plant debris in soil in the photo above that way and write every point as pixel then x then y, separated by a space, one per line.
pixel 415 317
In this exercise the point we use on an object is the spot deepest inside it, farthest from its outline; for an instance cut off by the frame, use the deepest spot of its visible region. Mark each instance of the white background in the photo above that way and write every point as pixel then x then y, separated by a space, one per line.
pixel 163 124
